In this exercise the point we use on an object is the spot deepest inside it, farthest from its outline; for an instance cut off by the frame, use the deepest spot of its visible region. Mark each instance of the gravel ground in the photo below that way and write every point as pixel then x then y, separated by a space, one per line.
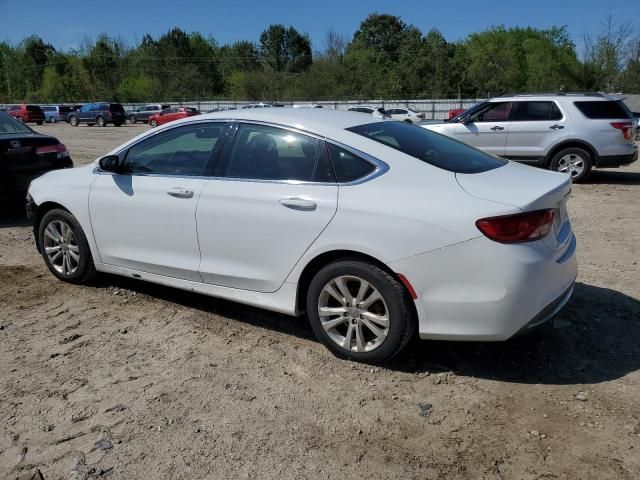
pixel 127 380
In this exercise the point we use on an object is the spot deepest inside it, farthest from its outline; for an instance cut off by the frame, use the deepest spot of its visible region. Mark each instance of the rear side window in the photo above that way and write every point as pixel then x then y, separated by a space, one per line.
pixel 536 112
pixel 348 166
pixel 429 147
pixel 116 108
pixel 33 108
pixel 603 110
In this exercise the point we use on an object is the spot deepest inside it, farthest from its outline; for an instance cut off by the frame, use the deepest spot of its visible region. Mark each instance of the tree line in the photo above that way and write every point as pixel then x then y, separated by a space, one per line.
pixel 385 58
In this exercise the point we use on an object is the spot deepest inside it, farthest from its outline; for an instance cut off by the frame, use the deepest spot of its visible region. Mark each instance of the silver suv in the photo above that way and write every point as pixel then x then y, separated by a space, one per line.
pixel 566 132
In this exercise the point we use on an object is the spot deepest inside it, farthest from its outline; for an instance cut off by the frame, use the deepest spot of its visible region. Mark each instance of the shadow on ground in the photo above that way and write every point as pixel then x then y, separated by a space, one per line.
pixel 594 339
pixel 12 213
pixel 613 177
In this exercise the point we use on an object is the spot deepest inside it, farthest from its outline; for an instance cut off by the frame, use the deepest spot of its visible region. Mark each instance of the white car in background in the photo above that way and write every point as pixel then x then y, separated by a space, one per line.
pixel 377 112
pixel 379 230
pixel 404 114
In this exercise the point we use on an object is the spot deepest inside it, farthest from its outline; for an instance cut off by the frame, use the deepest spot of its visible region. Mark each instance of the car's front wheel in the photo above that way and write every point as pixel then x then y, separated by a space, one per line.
pixel 132 119
pixel 100 121
pixel 153 123
pixel 74 121
pixel 64 247
pixel 575 162
pixel 360 311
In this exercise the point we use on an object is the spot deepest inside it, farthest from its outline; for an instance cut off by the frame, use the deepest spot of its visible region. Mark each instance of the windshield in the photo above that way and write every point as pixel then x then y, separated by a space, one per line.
pixel 429 147
pixel 9 126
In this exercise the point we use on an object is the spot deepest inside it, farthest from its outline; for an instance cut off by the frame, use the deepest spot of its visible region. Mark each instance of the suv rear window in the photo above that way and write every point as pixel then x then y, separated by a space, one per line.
pixel 606 110
pixel 429 147
pixel 33 108
pixel 115 108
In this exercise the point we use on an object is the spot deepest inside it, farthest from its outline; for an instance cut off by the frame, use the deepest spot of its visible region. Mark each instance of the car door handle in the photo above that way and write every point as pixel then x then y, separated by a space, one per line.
pixel 556 127
pixel 497 128
pixel 180 192
pixel 297 203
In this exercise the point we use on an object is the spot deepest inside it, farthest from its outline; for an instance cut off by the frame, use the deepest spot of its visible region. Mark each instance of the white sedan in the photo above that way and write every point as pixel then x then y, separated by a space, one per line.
pixel 404 114
pixel 379 230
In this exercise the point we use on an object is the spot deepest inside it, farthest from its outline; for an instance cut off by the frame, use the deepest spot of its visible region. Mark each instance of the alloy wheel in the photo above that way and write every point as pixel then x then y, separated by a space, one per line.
pixel 353 314
pixel 61 247
pixel 571 164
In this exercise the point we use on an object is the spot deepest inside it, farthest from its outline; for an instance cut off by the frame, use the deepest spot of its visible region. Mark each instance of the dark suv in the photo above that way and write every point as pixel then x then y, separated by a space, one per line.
pixel 100 114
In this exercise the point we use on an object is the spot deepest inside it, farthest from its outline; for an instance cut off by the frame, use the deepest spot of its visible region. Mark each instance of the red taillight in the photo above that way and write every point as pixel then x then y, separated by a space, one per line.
pixel 522 227
pixel 625 127
pixel 60 149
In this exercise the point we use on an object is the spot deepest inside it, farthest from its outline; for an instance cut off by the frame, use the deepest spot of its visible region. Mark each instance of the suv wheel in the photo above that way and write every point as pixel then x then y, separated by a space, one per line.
pixel 359 311
pixel 73 120
pixel 100 121
pixel 572 161
pixel 64 247
pixel 132 119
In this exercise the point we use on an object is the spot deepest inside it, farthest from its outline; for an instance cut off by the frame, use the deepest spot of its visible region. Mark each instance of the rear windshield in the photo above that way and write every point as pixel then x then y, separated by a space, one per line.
pixel 612 109
pixel 116 107
pixel 430 147
pixel 10 126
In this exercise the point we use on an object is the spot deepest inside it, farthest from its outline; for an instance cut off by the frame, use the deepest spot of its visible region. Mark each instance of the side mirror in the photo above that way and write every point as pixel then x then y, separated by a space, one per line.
pixel 110 163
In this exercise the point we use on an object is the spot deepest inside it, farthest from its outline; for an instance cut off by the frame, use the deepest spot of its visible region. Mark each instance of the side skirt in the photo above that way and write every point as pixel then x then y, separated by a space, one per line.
pixel 282 301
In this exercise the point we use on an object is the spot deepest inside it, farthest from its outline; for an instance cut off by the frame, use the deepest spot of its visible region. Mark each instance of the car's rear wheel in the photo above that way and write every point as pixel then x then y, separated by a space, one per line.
pixel 117 124
pixel 100 121
pixel 64 247
pixel 39 123
pixel 132 119
pixel 153 123
pixel 73 120
pixel 359 311
pixel 575 162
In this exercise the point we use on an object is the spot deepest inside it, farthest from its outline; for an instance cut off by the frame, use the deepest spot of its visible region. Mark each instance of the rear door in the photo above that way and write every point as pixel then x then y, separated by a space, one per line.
pixel 273 194
pixel 487 128
pixel 536 126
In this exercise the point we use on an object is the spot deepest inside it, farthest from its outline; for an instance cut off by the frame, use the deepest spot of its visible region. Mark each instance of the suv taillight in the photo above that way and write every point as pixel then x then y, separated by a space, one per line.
pixel 625 127
pixel 522 227
pixel 60 149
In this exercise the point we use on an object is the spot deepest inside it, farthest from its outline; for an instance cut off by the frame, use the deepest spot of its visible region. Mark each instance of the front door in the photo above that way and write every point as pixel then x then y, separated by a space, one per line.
pixel 274 194
pixel 487 128
pixel 144 217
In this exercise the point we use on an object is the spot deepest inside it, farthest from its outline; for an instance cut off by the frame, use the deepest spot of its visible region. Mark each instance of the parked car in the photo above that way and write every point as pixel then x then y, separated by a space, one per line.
pixel 569 133
pixel 404 114
pixel 636 116
pixel 307 105
pixel 142 114
pixel 262 105
pixel 66 110
pixel 26 113
pixel 51 113
pixel 100 114
pixel 454 112
pixel 375 111
pixel 26 154
pixel 379 230
pixel 170 114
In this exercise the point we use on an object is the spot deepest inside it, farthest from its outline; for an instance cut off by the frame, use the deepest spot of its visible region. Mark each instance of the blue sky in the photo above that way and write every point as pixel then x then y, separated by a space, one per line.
pixel 65 23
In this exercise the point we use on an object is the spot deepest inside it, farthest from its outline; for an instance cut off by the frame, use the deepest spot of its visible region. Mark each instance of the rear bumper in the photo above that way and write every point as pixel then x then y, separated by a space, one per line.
pixel 481 290
pixel 614 161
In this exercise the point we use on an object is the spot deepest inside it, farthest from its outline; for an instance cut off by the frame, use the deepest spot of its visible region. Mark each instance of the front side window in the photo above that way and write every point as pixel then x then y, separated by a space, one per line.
pixel 268 153
pixel 429 147
pixel 536 112
pixel 493 112
pixel 182 151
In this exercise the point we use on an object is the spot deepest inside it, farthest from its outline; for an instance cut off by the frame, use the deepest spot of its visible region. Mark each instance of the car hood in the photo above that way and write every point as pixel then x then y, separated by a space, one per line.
pixel 521 186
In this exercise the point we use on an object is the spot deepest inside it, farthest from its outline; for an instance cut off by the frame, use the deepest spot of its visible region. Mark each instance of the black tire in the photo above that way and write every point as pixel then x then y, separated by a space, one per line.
pixel 73 121
pixel 100 121
pixel 39 123
pixel 408 120
pixel 580 155
pixel 85 269
pixel 132 119
pixel 153 124
pixel 400 311
pixel 117 124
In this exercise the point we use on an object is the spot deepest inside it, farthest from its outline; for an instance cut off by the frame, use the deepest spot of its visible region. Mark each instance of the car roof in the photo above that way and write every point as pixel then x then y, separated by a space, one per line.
pixel 596 97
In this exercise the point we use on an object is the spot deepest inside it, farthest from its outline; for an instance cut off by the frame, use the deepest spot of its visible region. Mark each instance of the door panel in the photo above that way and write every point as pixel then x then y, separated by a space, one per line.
pixel 274 199
pixel 138 224
pixel 487 128
pixel 536 127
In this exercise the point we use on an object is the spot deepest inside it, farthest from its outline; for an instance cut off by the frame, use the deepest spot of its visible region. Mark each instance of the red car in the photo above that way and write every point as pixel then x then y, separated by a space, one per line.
pixel 454 112
pixel 170 114
pixel 26 113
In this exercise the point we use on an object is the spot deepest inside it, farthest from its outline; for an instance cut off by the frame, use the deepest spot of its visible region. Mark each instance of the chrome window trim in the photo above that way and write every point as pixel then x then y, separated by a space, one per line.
pixel 380 167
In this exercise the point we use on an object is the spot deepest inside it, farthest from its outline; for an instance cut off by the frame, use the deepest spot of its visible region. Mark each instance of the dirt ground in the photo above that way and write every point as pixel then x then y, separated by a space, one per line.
pixel 126 380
